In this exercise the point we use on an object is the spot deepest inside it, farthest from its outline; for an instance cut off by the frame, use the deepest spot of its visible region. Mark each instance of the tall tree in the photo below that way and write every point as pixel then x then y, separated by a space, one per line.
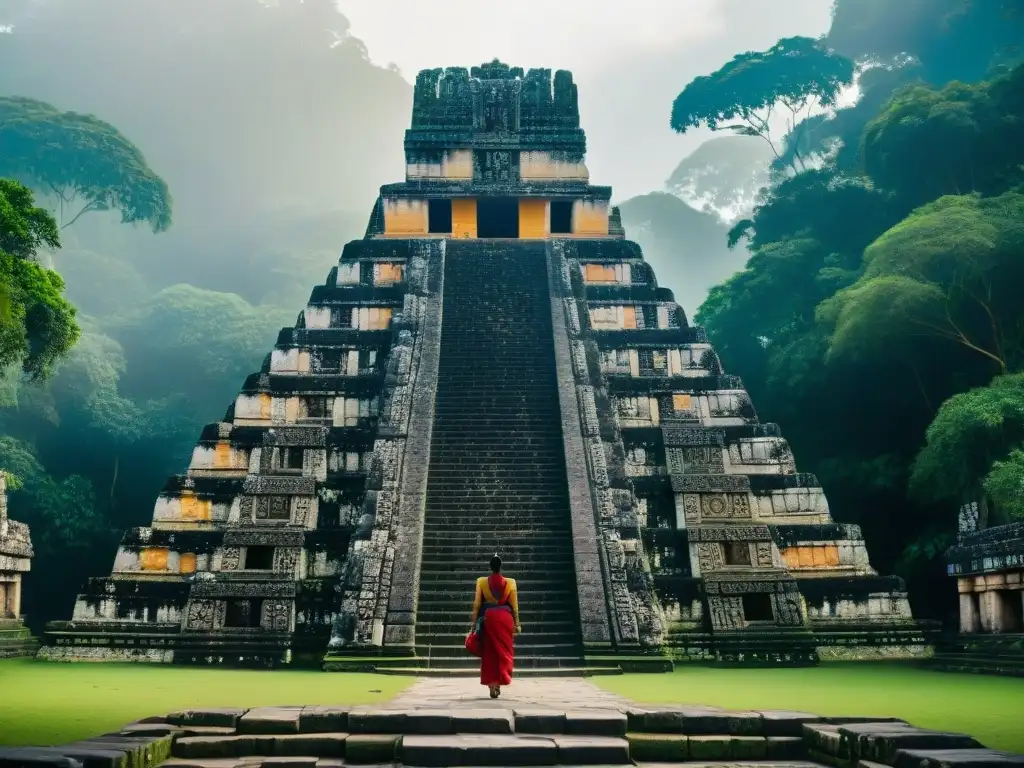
pixel 797 74
pixel 85 163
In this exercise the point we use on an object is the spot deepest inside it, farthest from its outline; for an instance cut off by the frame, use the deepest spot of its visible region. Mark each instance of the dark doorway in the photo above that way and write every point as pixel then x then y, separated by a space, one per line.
pixel 259 558
pixel 243 614
pixel 758 607
pixel 497 217
pixel 561 217
pixel 439 214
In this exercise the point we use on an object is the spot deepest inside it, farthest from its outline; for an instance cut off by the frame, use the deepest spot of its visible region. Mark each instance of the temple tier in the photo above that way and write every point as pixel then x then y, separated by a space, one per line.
pixel 492 368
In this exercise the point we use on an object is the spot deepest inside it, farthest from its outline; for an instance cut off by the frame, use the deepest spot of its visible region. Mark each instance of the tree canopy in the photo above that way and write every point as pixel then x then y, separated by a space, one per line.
pixel 85 163
pixel 37 324
pixel 798 74
pixel 878 316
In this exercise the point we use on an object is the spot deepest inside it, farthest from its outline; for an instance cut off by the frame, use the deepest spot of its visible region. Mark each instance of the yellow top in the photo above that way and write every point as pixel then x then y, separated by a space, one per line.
pixel 483 593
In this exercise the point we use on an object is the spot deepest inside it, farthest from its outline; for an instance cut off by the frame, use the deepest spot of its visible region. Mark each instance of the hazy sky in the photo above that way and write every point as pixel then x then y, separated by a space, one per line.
pixel 629 57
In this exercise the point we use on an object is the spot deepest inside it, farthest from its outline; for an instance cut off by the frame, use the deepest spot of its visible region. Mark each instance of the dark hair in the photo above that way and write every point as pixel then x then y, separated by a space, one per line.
pixel 496 564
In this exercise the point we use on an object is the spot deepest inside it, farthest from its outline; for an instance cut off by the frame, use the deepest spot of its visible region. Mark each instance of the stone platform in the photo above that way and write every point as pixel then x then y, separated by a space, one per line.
pixel 536 722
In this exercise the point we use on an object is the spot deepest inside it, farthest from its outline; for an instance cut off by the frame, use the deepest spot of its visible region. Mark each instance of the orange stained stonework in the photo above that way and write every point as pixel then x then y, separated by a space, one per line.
pixel 405 217
pixel 153 558
pixel 385 273
pixel 193 508
pixel 599 273
pixel 533 218
pixel 811 556
pixel 463 217
pixel 590 218
pixel 187 562
pixel 379 319
pixel 629 317
pixel 681 402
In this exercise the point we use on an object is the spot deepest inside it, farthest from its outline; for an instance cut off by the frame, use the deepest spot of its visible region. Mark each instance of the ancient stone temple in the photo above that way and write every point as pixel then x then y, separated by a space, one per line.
pixel 988 565
pixel 492 368
pixel 15 560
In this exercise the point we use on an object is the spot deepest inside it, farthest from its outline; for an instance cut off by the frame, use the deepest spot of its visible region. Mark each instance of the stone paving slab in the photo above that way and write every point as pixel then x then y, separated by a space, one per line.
pixel 539 693
pixel 957 758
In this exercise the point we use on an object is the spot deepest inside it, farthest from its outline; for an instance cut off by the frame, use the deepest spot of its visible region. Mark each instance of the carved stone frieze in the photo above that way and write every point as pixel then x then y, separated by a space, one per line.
pixel 710 483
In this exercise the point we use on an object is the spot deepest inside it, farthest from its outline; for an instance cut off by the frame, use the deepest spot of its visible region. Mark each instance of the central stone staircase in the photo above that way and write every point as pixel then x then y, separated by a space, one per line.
pixel 497 480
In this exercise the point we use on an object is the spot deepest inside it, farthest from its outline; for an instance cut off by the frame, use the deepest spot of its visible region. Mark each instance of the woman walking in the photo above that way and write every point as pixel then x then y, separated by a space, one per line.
pixel 496 606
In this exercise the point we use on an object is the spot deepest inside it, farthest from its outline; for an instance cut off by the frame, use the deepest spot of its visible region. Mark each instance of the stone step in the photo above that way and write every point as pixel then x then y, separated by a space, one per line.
pixel 507 750
pixel 878 741
pixel 539 609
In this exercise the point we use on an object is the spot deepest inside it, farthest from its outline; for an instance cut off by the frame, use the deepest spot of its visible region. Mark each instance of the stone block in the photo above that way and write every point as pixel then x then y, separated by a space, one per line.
pixel 720 747
pixel 270 720
pixel 822 737
pixel 596 722
pixel 142 751
pixel 376 749
pixel 785 748
pixel 784 722
pixel 658 747
pixel 440 751
pixel 28 757
pixel 95 757
pixel 592 750
pixel 196 747
pixel 655 721
pixel 539 721
pixel 223 717
pixel 323 719
pixel 483 721
pixel 957 758
pixel 309 745
pixel 376 721
pixel 880 741
pixel 429 722
pixel 711 722
pixel 501 750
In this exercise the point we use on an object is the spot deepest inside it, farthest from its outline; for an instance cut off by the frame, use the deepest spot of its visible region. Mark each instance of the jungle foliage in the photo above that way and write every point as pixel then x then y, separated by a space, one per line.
pixel 103 114
pixel 878 318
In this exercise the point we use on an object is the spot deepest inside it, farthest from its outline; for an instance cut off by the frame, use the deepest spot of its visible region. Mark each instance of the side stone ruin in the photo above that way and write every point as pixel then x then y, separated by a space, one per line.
pixel 988 565
pixel 385 449
pixel 15 561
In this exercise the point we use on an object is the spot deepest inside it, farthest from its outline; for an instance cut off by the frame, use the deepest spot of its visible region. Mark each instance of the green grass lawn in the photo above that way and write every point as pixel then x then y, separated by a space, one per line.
pixel 48 703
pixel 986 707
pixel 44 703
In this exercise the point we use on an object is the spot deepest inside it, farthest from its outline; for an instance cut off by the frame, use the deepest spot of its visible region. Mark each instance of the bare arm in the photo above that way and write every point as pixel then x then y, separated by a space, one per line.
pixel 513 601
pixel 478 600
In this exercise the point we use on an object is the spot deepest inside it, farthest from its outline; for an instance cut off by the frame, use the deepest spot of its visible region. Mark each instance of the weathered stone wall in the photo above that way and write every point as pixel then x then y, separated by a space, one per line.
pixel 15 558
pixel 627 584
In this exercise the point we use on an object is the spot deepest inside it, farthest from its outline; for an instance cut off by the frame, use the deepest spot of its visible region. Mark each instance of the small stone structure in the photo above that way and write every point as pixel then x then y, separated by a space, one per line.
pixel 493 367
pixel 988 565
pixel 15 560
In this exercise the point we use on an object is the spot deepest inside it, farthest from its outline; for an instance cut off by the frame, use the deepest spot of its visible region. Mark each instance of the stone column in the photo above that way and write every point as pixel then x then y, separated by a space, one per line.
pixel 14 596
pixel 970 620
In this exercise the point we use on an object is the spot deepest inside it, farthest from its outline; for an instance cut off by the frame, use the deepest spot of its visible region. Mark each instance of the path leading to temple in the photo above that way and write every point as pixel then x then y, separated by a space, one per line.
pixel 548 692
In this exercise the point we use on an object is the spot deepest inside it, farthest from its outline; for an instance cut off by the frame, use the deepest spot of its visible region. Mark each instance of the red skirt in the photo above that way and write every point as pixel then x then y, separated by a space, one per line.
pixel 499 652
